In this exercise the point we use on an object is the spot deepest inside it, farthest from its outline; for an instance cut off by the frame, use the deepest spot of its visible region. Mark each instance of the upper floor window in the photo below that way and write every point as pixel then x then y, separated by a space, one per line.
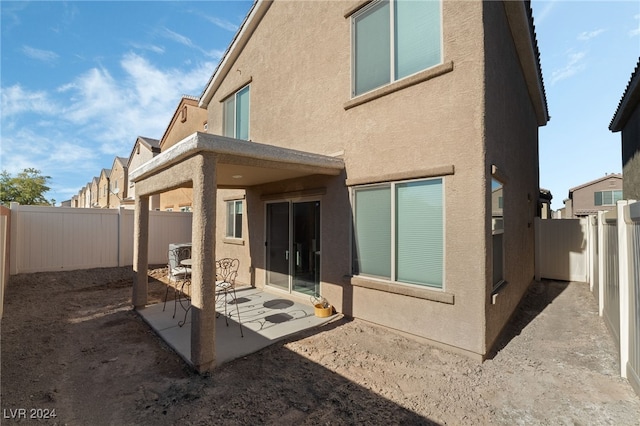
pixel 393 39
pixel 236 115
pixel 607 198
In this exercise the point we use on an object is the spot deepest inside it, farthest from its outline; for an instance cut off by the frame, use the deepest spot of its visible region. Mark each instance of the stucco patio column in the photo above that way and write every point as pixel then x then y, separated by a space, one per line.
pixel 140 251
pixel 203 270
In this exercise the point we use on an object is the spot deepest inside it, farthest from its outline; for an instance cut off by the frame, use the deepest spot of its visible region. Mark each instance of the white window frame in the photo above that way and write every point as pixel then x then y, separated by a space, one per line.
pixel 235 115
pixel 613 198
pixel 392 74
pixel 232 218
pixel 393 243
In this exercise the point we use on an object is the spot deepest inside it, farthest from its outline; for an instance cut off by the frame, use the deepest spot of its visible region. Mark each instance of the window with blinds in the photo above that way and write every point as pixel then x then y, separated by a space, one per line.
pixel 393 39
pixel 398 232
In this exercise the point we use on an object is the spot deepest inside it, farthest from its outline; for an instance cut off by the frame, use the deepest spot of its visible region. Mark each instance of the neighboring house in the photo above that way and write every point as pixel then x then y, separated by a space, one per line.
pixel 103 189
pixel 545 203
pixel 627 121
pixel 95 192
pixel 372 176
pixel 592 197
pixel 74 201
pixel 144 149
pixel 187 119
pixel 66 203
pixel 119 182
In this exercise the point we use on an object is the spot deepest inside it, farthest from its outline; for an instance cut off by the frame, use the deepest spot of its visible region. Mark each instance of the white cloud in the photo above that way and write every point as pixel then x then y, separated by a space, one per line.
pixel 39 54
pixel 540 17
pixel 178 38
pixel 150 47
pixel 575 64
pixel 16 100
pixel 588 35
pixel 224 24
pixel 636 31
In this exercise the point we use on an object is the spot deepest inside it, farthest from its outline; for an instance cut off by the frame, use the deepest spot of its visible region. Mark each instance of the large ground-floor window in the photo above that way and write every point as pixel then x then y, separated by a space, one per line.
pixel 398 231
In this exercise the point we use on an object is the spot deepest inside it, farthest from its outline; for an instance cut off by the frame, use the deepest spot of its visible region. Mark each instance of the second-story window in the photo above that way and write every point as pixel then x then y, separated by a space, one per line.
pixel 236 115
pixel 393 39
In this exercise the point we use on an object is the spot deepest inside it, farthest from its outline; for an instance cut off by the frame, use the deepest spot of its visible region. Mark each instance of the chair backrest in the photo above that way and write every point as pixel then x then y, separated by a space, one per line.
pixel 227 270
pixel 177 254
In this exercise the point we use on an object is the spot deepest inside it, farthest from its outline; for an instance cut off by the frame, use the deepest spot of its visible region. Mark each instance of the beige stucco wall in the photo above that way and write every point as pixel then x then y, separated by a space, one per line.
pixel 118 180
pixel 103 191
pixel 511 151
pixel 299 88
pixel 138 158
pixel 176 131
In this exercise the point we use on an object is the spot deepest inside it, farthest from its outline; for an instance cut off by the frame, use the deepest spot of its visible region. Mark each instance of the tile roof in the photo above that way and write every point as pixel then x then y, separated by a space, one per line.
pixel 629 100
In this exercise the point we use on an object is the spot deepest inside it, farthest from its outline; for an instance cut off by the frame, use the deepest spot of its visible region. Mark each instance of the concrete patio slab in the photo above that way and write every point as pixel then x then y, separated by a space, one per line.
pixel 265 317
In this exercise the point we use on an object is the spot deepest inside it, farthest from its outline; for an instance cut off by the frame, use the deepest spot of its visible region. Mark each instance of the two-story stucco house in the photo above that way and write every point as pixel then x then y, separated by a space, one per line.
pixel 104 194
pixel 119 182
pixel 627 121
pixel 144 149
pixel 369 142
pixel 594 196
pixel 94 193
pixel 187 119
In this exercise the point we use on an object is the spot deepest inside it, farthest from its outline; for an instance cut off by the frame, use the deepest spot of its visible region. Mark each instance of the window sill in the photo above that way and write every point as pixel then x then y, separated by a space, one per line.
pixel 388 287
pixel 412 80
pixel 236 241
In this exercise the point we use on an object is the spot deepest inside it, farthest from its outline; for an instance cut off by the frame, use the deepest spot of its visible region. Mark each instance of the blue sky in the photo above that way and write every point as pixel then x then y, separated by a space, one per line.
pixel 81 80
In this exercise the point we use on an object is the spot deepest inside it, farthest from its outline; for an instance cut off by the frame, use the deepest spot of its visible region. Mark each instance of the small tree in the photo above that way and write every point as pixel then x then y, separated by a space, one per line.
pixel 27 187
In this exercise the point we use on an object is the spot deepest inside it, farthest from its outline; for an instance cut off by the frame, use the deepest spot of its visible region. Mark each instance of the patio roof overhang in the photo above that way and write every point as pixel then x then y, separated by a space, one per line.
pixel 239 164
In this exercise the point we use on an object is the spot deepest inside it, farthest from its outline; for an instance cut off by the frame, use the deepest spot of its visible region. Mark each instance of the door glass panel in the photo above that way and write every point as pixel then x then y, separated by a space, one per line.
pixel 306 248
pixel 278 245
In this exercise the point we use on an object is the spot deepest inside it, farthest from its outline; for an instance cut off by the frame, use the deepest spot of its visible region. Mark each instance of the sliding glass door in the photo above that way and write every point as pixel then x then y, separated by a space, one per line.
pixel 293 246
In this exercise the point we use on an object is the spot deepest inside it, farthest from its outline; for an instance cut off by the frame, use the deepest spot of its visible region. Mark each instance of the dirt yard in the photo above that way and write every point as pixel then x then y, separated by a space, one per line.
pixel 72 346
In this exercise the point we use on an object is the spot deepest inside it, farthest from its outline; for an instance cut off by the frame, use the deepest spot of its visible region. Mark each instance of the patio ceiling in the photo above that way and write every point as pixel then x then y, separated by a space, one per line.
pixel 239 163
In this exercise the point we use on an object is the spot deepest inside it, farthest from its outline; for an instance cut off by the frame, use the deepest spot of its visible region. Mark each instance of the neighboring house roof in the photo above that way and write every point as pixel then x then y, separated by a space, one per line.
pixel 95 180
pixel 106 172
pixel 630 99
pixel 176 114
pixel 152 145
pixel 519 14
pixel 612 175
pixel 121 160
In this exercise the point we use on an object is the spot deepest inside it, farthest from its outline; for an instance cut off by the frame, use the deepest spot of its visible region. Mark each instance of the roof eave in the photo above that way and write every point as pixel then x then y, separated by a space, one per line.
pixel 520 20
pixel 258 10
pixel 628 103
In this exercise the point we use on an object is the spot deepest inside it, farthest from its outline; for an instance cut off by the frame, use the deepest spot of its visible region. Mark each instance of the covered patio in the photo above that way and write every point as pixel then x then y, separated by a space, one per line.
pixel 265 318
pixel 206 162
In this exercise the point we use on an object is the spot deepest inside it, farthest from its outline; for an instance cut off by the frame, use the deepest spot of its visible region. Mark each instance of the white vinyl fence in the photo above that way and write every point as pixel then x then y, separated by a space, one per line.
pixel 603 250
pixel 562 249
pixel 59 238
pixel 618 283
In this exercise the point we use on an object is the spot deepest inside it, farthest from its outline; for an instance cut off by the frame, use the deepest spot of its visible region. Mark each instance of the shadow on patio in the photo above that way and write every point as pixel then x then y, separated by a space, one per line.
pixel 266 318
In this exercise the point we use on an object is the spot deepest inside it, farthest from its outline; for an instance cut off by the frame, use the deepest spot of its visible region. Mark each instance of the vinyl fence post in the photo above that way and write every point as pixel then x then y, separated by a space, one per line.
pixel 623 280
pixel 601 261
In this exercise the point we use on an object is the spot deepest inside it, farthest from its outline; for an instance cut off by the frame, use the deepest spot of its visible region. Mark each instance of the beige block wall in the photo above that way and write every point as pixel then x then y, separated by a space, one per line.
pixel 511 146
pixel 298 63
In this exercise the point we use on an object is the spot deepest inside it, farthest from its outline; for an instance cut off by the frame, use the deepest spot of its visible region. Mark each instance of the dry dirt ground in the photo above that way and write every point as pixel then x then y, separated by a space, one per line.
pixel 71 344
